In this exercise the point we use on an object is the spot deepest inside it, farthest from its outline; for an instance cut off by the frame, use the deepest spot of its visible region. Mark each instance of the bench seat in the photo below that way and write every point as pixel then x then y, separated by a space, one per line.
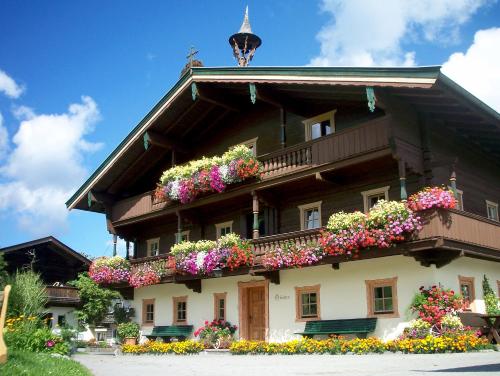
pixel 167 332
pixel 360 327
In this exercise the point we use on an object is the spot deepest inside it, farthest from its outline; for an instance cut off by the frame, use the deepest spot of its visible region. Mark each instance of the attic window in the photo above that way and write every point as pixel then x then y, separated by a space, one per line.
pixel 319 126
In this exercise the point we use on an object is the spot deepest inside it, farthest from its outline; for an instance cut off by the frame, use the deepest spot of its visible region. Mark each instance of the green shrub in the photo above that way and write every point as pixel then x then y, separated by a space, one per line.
pixel 27 297
pixel 30 334
pixel 490 300
pixel 128 330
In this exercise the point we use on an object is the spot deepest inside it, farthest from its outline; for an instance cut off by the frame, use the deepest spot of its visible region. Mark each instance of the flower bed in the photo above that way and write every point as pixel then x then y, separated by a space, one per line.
pixel 148 273
pixel 204 256
pixel 185 182
pixel 156 347
pixel 339 345
pixel 110 270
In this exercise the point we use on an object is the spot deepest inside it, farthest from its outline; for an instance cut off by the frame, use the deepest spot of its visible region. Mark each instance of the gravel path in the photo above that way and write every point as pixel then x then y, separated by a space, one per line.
pixel 483 363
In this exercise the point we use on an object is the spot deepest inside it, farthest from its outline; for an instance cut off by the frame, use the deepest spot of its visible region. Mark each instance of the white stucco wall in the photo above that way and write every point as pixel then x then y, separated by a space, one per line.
pixel 68 312
pixel 342 293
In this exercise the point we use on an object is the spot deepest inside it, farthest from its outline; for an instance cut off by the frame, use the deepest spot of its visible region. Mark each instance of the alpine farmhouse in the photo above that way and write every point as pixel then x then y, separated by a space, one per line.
pixel 326 140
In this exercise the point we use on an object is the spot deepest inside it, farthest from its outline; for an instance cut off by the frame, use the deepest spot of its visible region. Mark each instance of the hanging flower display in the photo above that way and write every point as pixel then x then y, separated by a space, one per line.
pixel 432 197
pixel 204 256
pixel 148 273
pixel 110 270
pixel 387 223
pixel 184 183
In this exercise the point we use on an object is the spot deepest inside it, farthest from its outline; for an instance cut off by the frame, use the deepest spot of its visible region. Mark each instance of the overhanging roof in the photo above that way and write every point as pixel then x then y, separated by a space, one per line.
pixel 421 79
pixel 49 241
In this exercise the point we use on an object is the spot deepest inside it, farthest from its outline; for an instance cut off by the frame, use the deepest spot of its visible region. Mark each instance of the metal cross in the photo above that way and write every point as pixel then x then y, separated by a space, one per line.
pixel 191 54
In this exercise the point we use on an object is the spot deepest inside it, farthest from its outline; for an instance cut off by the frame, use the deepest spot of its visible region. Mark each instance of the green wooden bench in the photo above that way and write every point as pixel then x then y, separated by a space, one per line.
pixel 360 327
pixel 180 332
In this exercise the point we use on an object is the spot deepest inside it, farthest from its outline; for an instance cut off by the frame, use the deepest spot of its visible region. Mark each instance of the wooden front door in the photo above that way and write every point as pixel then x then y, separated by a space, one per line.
pixel 256 313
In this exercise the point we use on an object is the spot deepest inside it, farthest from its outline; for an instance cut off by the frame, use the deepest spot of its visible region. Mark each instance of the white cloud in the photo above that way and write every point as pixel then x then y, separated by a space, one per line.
pixel 478 69
pixel 371 32
pixel 4 138
pixel 9 87
pixel 46 166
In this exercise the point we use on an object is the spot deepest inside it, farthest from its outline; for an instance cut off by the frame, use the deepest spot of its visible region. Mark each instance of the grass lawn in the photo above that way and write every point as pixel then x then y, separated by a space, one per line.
pixel 33 364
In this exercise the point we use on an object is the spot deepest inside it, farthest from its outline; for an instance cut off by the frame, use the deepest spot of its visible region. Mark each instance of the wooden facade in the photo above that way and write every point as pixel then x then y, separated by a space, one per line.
pixel 418 135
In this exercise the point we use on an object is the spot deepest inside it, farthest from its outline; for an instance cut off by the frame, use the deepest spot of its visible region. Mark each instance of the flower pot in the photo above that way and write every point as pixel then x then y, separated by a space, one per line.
pixel 130 341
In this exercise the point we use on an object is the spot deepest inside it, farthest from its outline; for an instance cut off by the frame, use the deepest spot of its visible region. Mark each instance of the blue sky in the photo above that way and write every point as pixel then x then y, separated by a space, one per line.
pixel 112 61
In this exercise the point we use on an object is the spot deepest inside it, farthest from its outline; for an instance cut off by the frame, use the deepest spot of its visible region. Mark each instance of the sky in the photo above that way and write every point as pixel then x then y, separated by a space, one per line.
pixel 77 76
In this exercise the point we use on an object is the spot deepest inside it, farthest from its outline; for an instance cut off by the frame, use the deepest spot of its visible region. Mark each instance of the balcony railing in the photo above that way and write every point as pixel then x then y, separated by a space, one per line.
pixel 62 295
pixel 442 230
pixel 345 144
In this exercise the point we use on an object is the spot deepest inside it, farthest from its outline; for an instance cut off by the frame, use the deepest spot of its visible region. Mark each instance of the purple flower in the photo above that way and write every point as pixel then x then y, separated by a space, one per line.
pixel 50 343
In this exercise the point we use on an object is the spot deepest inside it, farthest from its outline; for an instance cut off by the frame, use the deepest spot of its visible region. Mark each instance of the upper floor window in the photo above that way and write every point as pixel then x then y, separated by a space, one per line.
pixel 183 238
pixel 223 228
pixel 153 246
pixel 310 215
pixel 180 310
pixel 371 197
pixel 319 126
pixel 251 144
pixel 492 210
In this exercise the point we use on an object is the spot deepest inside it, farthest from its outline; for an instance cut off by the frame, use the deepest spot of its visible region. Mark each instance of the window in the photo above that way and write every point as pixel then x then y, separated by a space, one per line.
pixel 310 215
pixel 148 311
pixel 251 144
pixel 382 298
pixel 61 320
pixel 492 210
pixel 223 228
pixel 307 303
pixel 153 247
pixel 460 199
pixel 467 291
pixel 371 197
pixel 184 236
pixel 220 306
pixel 319 126
pixel 180 310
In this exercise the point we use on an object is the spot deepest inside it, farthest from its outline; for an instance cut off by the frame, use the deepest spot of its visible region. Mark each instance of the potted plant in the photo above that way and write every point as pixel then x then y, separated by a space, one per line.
pixel 217 334
pixel 128 332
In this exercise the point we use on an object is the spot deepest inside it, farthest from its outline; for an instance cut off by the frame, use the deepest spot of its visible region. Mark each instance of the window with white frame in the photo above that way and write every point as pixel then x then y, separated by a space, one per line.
pixel 153 246
pixel 310 215
pixel 223 228
pixel 492 210
pixel 251 144
pixel 184 236
pixel 371 197
pixel 460 199
pixel 319 126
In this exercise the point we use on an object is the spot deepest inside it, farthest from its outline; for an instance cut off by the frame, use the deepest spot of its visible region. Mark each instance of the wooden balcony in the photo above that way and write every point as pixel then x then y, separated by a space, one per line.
pixel 445 236
pixel 62 295
pixel 358 141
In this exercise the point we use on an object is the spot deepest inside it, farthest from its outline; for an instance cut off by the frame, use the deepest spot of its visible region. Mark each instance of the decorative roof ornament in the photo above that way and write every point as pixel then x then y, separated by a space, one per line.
pixel 244 42
pixel 192 62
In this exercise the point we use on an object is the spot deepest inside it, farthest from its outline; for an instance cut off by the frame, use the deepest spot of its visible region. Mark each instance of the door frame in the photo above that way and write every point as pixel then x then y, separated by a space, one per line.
pixel 243 306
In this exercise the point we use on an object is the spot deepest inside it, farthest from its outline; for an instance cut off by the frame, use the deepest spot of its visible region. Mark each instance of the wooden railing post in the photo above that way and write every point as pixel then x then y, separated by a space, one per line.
pixel 4 300
pixel 402 179
pixel 255 209
pixel 178 238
